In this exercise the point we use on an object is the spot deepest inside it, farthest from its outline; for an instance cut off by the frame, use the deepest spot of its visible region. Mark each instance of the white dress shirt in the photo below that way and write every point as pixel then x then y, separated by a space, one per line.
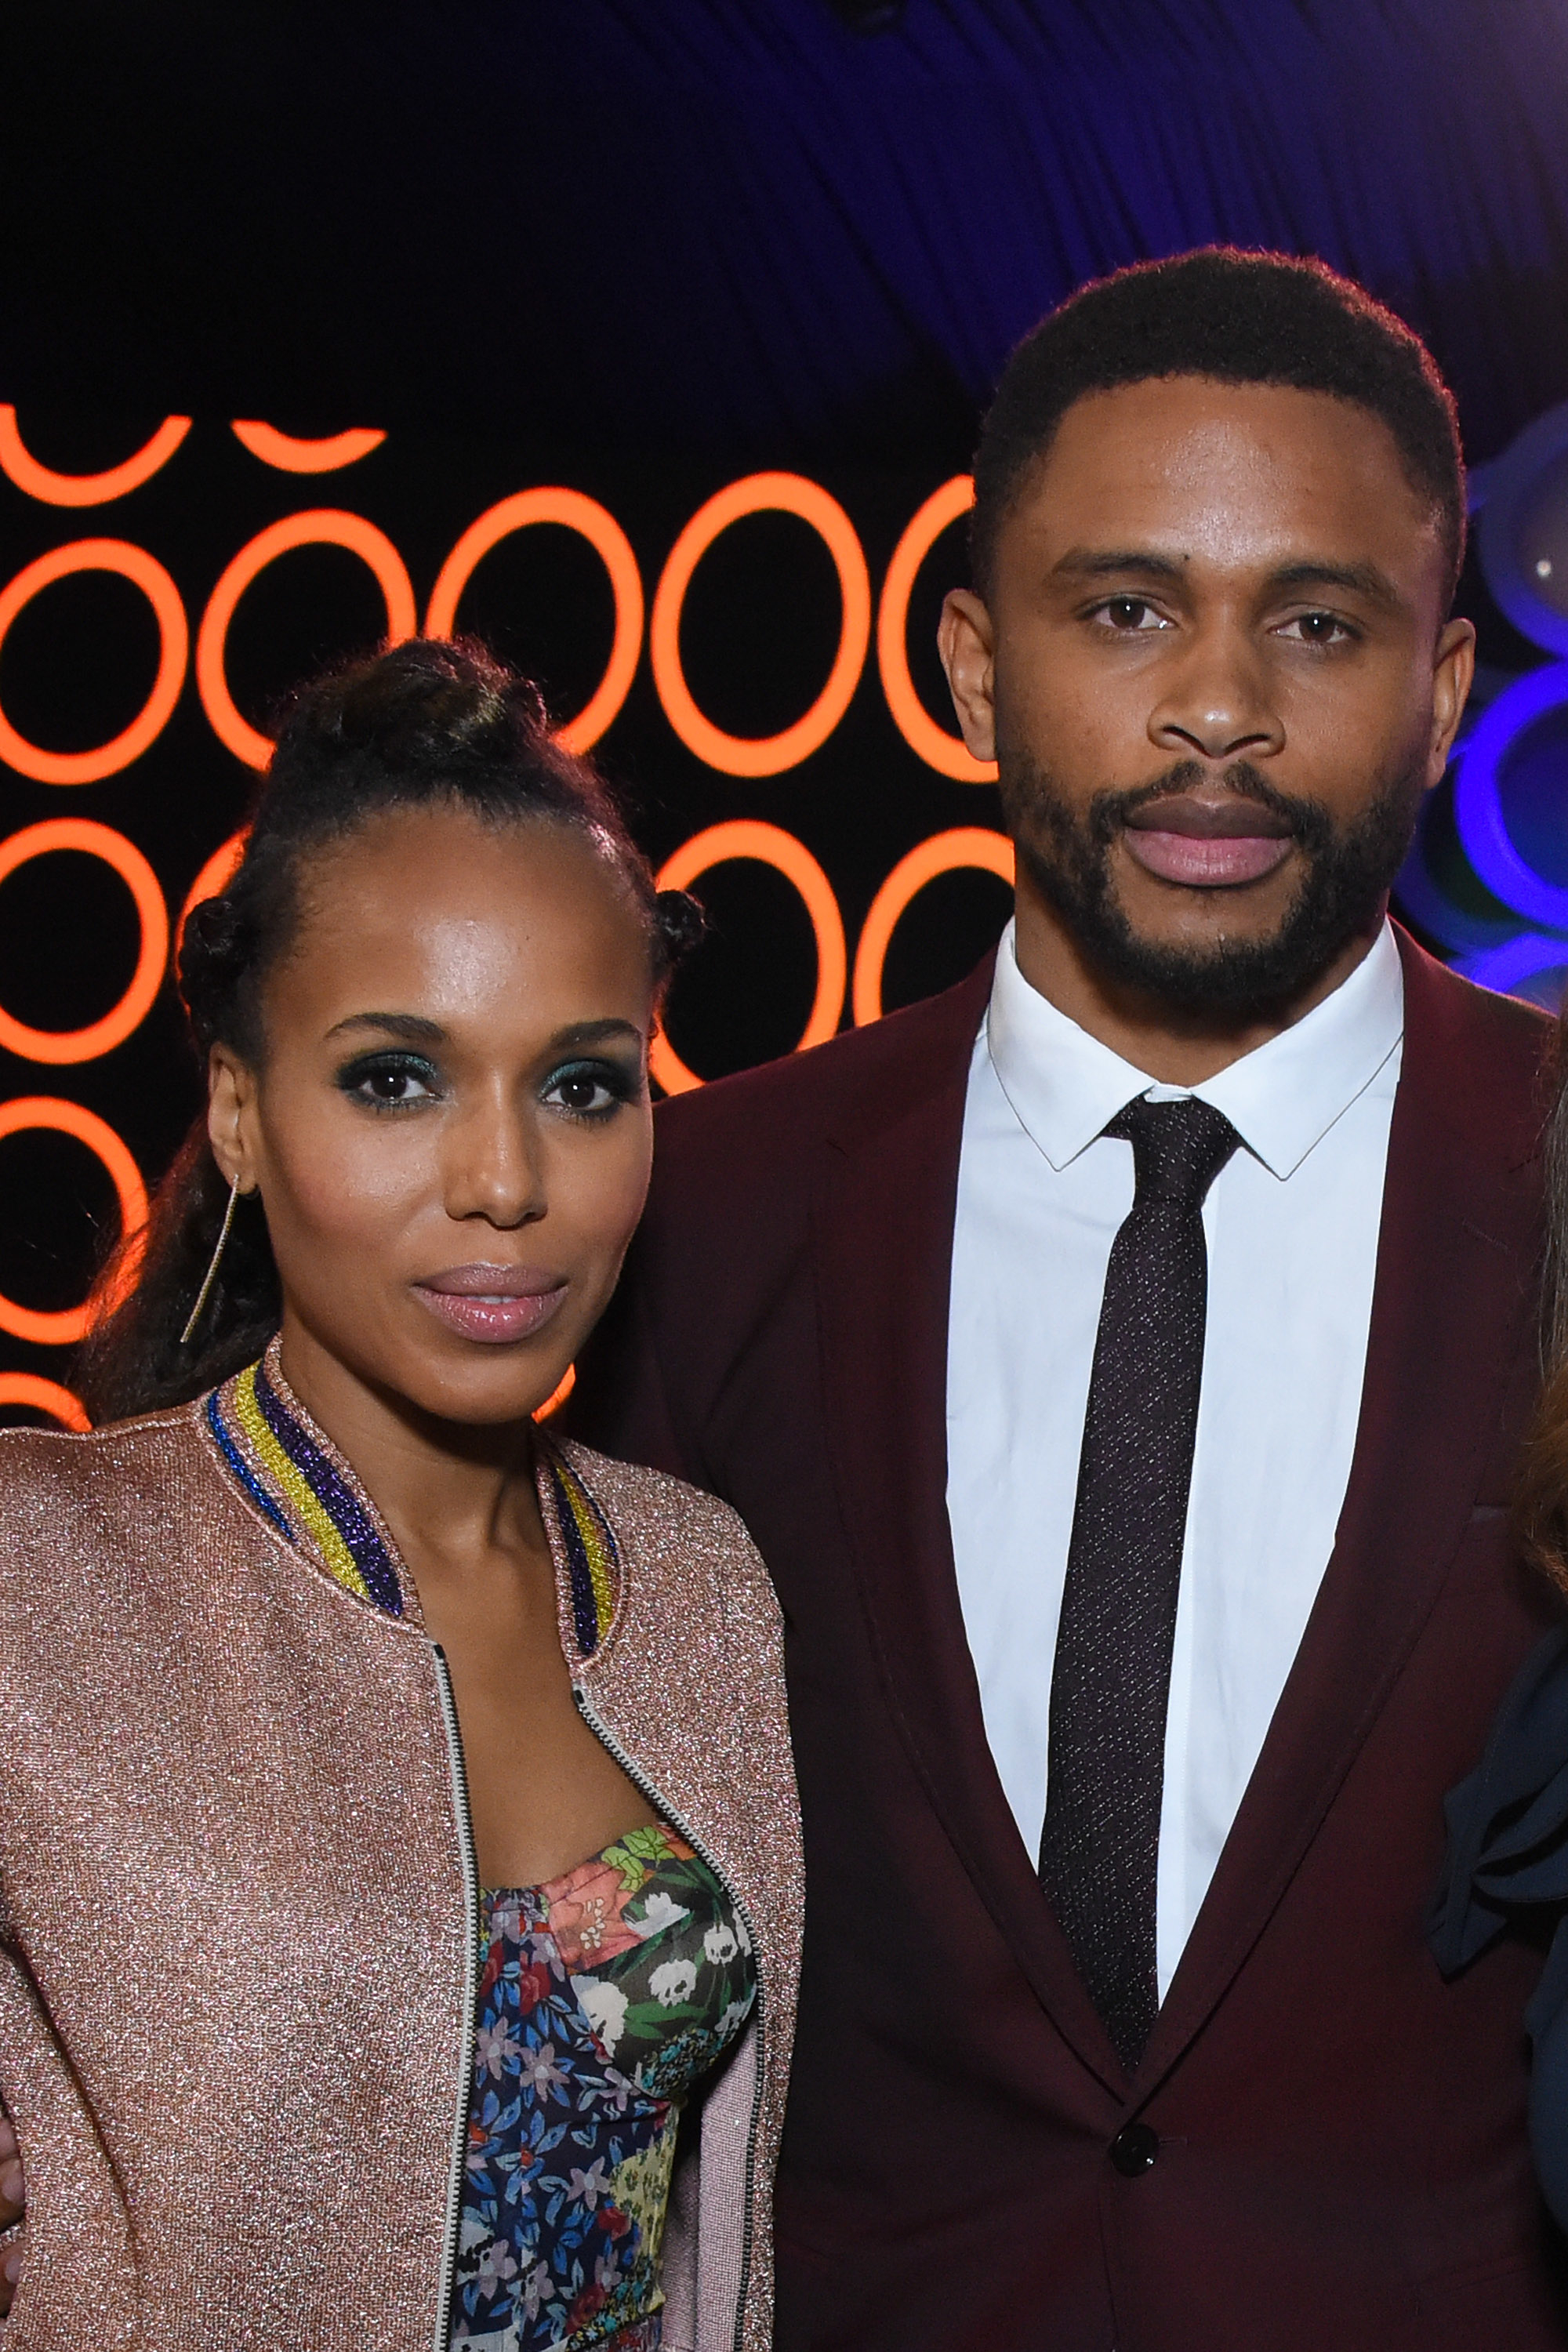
pixel 1291 1224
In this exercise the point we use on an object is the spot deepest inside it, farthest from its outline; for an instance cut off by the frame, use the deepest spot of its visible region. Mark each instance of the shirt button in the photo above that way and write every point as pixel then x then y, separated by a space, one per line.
pixel 1134 2151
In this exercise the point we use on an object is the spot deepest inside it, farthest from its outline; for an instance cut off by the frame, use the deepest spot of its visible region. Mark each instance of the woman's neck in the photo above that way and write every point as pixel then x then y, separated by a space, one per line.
pixel 449 1491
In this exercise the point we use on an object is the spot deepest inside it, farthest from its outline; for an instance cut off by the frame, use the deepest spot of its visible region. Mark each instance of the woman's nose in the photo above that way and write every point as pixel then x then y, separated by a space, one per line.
pixel 493 1169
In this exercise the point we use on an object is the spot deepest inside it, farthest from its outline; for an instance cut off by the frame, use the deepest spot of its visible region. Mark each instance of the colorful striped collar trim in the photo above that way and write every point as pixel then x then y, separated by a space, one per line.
pixel 587 1541
pixel 300 1484
pixel 298 1481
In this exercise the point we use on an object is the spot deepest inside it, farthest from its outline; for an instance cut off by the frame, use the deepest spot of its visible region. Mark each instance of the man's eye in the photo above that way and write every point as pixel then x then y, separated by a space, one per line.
pixel 1319 628
pixel 1131 615
pixel 389 1084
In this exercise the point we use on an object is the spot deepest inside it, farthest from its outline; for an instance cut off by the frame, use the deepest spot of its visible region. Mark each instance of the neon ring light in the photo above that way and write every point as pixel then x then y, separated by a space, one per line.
pixel 945 853
pixel 605 536
pixel 152 921
pixel 20 1116
pixel 1477 797
pixel 769 845
pixel 18 464
pixel 947 753
pixel 321 527
pixel 132 564
pixel 43 1396
pixel 764 755
pixel 292 454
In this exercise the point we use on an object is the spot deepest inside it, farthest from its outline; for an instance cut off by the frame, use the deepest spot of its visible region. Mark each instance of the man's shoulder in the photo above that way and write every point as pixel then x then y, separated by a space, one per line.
pixel 866 1077
pixel 1492 1053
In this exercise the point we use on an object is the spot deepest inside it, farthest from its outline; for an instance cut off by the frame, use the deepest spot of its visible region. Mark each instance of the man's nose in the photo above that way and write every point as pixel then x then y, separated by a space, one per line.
pixel 1216 701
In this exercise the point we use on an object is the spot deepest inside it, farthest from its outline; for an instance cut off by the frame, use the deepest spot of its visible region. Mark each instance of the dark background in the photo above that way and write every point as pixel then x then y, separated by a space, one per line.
pixel 641 250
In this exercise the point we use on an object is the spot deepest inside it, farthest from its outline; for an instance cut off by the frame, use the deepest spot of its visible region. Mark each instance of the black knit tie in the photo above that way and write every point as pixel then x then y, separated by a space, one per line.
pixel 1111 1683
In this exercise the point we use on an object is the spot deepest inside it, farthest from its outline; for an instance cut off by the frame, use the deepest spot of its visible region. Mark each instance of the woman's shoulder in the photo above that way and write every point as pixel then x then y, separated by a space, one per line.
pixel 1507 1822
pixel 652 1501
pixel 49 1476
pixel 655 1515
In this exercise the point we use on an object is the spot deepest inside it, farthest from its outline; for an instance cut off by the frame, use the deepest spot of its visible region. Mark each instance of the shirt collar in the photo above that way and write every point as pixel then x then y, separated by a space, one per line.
pixel 1282 1098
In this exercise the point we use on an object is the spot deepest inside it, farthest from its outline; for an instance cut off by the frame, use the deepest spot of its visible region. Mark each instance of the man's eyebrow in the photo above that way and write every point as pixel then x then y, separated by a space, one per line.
pixel 410 1025
pixel 1106 562
pixel 1120 563
pixel 1362 580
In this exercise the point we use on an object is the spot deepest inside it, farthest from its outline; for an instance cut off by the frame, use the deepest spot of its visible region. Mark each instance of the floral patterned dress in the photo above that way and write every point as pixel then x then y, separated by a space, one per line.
pixel 607 1995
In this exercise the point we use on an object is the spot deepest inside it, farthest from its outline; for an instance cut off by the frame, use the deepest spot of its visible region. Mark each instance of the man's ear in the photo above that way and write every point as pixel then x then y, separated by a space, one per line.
pixel 964 640
pixel 1453 666
pixel 231 1117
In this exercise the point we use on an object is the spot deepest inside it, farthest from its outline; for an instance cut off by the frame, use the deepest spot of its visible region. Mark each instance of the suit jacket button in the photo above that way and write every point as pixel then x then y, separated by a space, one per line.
pixel 1134 2151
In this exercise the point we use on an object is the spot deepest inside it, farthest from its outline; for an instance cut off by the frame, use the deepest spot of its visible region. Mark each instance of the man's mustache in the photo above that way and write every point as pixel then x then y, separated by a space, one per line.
pixel 1304 821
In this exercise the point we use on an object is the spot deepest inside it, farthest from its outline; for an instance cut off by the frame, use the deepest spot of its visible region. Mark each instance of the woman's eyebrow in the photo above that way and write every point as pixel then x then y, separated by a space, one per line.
pixel 411 1025
pixel 596 1033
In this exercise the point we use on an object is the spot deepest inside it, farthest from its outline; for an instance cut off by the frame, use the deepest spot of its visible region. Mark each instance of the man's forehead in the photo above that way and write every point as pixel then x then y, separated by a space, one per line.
pixel 1206 470
pixel 1197 445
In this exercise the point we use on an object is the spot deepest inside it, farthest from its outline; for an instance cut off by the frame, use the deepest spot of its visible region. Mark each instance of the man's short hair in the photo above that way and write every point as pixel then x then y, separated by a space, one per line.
pixel 1236 317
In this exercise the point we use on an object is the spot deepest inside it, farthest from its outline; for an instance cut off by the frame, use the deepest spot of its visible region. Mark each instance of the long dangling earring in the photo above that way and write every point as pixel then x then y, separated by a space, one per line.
pixel 205 1293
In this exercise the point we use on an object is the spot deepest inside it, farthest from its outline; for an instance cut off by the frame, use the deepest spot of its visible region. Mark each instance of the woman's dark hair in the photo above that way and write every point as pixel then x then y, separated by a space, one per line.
pixel 428 724
pixel 1241 317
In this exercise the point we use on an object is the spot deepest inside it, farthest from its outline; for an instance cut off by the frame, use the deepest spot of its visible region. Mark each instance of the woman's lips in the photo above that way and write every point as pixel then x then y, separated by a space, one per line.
pixel 494 1304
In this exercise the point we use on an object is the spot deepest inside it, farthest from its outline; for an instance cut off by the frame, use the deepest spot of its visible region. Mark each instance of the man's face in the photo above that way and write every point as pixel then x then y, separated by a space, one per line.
pixel 1215 672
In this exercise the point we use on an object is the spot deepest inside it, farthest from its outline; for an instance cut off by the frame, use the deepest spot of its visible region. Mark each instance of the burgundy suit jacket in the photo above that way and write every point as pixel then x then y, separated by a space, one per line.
pixel 1338 2134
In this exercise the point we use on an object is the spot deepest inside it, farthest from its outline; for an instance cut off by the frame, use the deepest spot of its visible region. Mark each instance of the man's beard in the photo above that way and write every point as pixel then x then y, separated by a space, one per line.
pixel 1349 871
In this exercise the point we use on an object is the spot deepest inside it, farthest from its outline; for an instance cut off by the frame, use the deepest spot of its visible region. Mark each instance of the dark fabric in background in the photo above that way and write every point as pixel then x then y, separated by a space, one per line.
pixel 740 227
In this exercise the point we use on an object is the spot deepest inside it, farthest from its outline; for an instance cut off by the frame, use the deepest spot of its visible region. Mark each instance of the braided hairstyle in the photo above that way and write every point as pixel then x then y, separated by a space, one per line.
pixel 426 723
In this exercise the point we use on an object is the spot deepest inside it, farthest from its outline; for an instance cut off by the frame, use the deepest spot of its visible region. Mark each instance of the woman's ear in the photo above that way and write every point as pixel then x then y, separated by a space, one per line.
pixel 231 1117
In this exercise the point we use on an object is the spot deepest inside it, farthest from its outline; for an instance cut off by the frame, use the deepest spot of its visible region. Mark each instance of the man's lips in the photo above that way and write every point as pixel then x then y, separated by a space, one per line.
pixel 493 1303
pixel 1208 844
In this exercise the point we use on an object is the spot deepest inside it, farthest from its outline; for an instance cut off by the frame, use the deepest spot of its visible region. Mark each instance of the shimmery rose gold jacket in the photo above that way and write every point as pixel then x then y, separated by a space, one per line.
pixel 238 1934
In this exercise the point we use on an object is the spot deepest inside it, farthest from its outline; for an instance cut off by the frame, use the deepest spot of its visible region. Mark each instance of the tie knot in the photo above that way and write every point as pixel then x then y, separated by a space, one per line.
pixel 1178 1148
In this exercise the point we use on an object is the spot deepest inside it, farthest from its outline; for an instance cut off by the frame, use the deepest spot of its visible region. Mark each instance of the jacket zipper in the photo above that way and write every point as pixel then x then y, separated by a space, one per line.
pixel 470 1992
pixel 640 1779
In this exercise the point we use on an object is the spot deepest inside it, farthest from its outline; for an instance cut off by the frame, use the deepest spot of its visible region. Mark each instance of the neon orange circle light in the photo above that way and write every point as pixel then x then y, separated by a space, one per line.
pixel 213 878
pixel 43 1396
pixel 944 852
pixel 321 527
pixel 766 755
pixel 769 845
pixel 19 466
pixel 132 564
pixel 292 454
pixel 948 754
pixel 32 1111
pixel 605 536
pixel 58 1045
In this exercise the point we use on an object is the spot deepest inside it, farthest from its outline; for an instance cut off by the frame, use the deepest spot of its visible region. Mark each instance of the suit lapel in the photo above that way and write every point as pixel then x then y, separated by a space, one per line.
pixel 1454 1289
pixel 884 1249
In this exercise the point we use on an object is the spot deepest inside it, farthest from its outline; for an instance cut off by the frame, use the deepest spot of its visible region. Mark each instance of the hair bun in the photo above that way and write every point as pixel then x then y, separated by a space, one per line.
pixel 211 960
pixel 682 923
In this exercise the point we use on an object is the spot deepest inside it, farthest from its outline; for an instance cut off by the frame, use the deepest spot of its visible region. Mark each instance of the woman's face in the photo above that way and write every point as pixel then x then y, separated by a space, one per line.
pixel 450 1130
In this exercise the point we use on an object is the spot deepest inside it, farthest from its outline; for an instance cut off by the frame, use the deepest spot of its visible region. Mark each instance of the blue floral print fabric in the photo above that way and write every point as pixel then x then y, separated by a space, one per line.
pixel 606 1996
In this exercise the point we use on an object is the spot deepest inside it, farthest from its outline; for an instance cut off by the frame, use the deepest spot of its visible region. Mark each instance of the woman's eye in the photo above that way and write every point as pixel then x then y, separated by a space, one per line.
pixel 389 1084
pixel 1131 615
pixel 1319 628
pixel 591 1090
